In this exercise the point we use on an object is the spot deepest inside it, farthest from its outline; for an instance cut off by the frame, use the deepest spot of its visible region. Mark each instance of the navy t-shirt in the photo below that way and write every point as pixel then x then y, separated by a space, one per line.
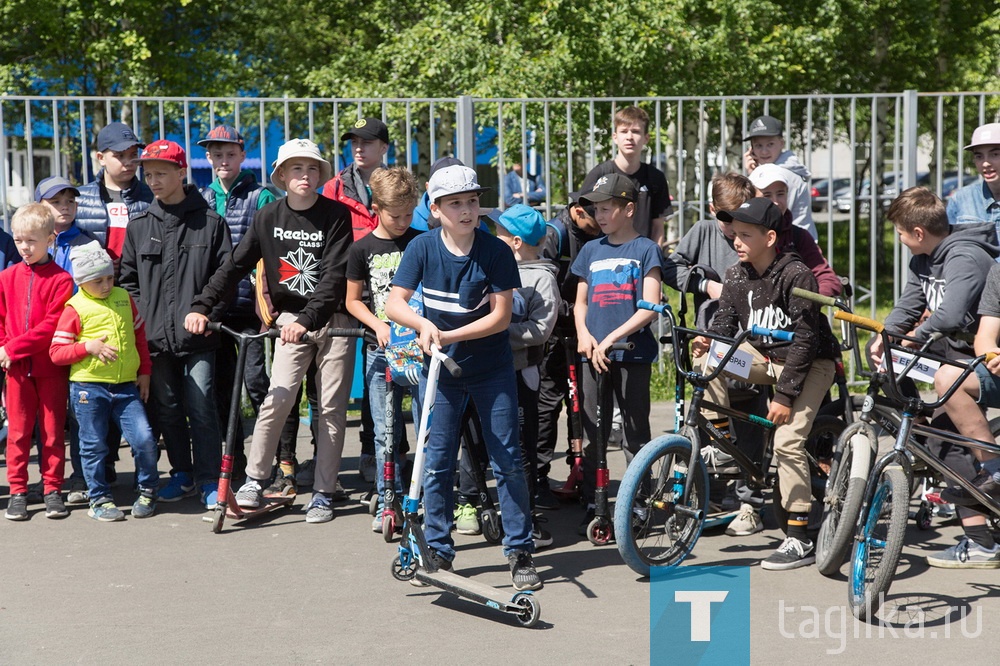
pixel 456 292
pixel 614 275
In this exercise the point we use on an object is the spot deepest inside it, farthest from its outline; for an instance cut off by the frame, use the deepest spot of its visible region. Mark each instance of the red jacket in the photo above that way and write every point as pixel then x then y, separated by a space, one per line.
pixel 362 221
pixel 31 299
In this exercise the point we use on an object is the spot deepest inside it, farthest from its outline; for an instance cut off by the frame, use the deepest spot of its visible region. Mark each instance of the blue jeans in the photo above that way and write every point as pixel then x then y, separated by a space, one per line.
pixel 181 389
pixel 495 396
pixel 375 367
pixel 95 406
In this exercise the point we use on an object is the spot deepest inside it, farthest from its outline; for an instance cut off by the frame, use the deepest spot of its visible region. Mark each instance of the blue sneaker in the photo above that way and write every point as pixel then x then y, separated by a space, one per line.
pixel 104 510
pixel 145 506
pixel 210 495
pixel 178 487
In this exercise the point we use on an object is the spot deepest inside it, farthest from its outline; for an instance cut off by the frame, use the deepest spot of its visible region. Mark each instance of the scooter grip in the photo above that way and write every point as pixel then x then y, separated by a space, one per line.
pixel 215 326
pixel 623 346
pixel 345 332
pixel 655 307
pixel 858 320
pixel 452 367
pixel 813 296
pixel 760 331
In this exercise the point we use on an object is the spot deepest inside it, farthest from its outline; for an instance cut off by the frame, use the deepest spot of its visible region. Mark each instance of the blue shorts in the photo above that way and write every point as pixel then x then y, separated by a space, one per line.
pixel 989 387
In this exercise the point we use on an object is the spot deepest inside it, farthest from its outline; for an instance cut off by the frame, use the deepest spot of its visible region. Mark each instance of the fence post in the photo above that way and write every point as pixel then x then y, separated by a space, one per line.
pixel 910 136
pixel 465 144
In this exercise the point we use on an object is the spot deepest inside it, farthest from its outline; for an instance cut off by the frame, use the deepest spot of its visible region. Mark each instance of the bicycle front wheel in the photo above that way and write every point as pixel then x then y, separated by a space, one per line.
pixel 650 529
pixel 879 543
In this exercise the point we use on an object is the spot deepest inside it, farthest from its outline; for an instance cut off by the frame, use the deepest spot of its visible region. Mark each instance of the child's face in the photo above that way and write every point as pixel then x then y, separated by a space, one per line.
pixel 395 220
pixel 368 152
pixel 913 240
pixel 613 214
pixel 165 179
pixel 120 166
pixel 777 192
pixel 33 244
pixel 63 207
pixel 987 161
pixel 630 138
pixel 766 148
pixel 459 213
pixel 751 241
pixel 301 175
pixel 226 160
pixel 100 287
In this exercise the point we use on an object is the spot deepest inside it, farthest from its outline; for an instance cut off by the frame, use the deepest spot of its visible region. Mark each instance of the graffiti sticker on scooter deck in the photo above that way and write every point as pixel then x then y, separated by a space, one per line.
pixel 699 615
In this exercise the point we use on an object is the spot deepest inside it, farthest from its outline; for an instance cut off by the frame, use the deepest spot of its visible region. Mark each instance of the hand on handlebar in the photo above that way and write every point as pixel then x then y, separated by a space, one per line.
pixel 195 324
pixel 292 332
pixel 778 414
pixel 699 346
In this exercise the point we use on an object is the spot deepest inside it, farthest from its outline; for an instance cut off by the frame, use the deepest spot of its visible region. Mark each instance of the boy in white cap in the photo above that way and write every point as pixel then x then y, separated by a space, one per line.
pixel 468 279
pixel 980 202
pixel 303 240
pixel 102 338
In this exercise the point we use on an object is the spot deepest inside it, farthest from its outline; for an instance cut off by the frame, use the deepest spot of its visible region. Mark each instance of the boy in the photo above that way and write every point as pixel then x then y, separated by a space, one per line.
pixel 116 194
pixel 32 296
pixel 522 229
pixel 101 336
pixel 615 273
pixel 371 265
pixel 170 252
pixel 303 240
pixel 422 218
pixel 60 196
pixel 980 202
pixel 468 278
pixel 767 146
pixel 652 204
pixel 369 143
pixel 758 290
pixel 236 196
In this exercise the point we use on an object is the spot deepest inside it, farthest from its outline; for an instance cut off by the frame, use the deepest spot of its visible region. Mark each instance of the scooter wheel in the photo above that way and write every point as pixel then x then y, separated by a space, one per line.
pixel 399 572
pixel 388 527
pixel 599 531
pixel 923 518
pixel 492 526
pixel 218 518
pixel 531 609
pixel 373 504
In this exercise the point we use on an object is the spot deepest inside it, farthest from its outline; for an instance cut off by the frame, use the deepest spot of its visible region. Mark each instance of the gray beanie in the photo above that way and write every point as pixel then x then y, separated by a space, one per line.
pixel 90 262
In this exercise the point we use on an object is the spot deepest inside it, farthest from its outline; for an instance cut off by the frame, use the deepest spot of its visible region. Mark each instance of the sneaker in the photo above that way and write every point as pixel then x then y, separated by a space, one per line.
pixel 588 516
pixel 209 495
pixel 366 465
pixel 717 460
pixel 35 493
pixel 522 571
pixel 983 481
pixel 545 499
pixel 319 510
pixel 746 523
pixel 54 507
pixel 145 505
pixel 249 495
pixel 377 523
pixel 616 436
pixel 17 507
pixel 791 554
pixel 466 519
pixel 339 494
pixel 105 511
pixel 441 562
pixel 283 486
pixel 178 487
pixel 540 536
pixel 966 554
pixel 307 473
pixel 77 492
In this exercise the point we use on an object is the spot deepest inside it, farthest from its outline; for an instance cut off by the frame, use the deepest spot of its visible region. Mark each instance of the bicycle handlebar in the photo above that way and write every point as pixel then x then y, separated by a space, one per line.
pixel 659 308
pixel 776 334
pixel 814 297
pixel 858 320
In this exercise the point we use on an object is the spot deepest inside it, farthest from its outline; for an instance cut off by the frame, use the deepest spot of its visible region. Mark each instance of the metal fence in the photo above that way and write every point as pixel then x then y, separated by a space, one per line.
pixel 893 140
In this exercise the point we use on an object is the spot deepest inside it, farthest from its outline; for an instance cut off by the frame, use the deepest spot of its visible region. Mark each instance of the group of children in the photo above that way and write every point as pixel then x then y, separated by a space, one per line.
pixel 69 335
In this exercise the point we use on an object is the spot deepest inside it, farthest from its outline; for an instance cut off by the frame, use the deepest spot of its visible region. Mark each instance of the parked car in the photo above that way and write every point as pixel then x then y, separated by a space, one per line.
pixel 821 189
pixel 844 200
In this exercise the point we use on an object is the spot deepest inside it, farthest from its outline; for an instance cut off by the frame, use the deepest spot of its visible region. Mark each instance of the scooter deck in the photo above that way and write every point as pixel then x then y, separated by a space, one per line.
pixel 269 504
pixel 467 588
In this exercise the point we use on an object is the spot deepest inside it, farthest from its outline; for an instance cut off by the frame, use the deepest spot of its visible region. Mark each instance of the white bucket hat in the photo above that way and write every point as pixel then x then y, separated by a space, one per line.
pixel 299 148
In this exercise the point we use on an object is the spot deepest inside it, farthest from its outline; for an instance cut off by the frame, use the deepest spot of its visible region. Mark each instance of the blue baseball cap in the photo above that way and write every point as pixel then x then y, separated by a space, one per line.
pixel 524 221
pixel 52 186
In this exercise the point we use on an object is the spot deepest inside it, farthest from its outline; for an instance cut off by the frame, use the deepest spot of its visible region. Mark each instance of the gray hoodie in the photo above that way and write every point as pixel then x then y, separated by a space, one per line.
pixel 540 292
pixel 799 198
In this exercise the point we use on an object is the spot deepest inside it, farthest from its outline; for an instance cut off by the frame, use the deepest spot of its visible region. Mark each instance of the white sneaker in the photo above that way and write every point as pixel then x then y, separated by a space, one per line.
pixel 249 495
pixel 715 458
pixel 747 522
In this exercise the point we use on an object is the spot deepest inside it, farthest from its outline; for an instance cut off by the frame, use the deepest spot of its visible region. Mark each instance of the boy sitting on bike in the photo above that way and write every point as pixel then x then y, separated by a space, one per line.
pixel 758 290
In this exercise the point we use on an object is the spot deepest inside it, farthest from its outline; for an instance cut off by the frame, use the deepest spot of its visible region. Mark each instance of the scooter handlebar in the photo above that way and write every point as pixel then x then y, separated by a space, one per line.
pixel 762 332
pixel 659 308
pixel 448 362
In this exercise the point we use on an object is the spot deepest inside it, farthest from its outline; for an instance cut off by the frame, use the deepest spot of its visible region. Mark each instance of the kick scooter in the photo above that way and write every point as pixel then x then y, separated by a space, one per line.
pixel 571 488
pixel 413 559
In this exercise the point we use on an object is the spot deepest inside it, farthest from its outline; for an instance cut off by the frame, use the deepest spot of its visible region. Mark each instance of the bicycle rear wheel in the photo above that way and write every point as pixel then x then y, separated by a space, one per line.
pixel 879 543
pixel 649 530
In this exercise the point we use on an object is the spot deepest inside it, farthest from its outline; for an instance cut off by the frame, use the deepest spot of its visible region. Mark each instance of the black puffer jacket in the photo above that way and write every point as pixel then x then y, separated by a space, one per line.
pixel 92 212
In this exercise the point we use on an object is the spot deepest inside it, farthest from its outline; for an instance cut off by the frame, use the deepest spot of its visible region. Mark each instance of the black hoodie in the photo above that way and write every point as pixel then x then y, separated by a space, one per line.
pixel 766 300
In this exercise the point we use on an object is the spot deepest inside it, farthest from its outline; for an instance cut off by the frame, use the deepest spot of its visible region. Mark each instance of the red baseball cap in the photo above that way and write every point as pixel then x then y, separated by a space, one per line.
pixel 164 151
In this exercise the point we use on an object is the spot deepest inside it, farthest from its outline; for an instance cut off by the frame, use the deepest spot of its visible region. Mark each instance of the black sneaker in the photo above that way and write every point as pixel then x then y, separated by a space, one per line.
pixel 522 571
pixel 17 507
pixel 440 562
pixel 791 554
pixel 540 536
pixel 54 507
pixel 545 499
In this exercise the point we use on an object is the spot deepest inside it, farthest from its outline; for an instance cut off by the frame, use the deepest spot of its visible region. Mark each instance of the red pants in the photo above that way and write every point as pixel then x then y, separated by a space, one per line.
pixel 30 399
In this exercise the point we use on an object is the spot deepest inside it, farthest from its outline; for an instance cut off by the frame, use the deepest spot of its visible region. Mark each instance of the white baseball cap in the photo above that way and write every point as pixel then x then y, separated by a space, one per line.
pixel 299 148
pixel 985 135
pixel 454 179
pixel 767 174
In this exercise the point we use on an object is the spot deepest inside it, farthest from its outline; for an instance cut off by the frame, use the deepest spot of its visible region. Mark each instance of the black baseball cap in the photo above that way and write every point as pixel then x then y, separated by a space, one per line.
pixel 222 134
pixel 759 211
pixel 368 128
pixel 763 126
pixel 611 186
pixel 117 137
